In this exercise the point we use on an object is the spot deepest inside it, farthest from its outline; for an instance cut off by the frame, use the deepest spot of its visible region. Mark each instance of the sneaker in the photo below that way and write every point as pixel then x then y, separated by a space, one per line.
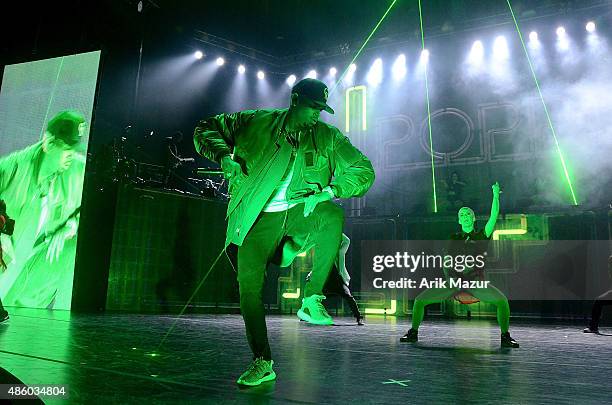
pixel 507 341
pixel 4 316
pixel 314 312
pixel 589 329
pixel 411 336
pixel 360 321
pixel 259 371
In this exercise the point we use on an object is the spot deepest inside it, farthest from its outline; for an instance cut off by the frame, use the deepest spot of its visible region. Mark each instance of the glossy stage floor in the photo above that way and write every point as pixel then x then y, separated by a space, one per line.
pixel 118 359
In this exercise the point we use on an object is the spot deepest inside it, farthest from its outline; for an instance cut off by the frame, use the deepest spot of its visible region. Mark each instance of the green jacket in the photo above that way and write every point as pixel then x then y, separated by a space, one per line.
pixel 324 157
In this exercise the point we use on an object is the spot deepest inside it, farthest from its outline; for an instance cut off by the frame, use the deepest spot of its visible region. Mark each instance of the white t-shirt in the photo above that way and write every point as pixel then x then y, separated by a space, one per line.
pixel 278 201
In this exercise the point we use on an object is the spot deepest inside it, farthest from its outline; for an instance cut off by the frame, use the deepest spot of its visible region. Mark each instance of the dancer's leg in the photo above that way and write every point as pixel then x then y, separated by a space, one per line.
pixel 600 302
pixel 427 297
pixel 253 257
pixel 492 295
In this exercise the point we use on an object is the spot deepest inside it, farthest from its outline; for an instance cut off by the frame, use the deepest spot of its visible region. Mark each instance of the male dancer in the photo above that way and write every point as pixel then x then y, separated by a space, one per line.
pixel 489 295
pixel 338 280
pixel 284 167
pixel 604 299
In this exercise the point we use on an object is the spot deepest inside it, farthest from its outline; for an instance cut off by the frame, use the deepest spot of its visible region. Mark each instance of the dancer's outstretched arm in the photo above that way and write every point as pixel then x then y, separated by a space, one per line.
pixel 494 211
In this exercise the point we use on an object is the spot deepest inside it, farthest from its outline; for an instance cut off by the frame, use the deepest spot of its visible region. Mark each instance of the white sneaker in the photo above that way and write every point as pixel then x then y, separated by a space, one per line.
pixel 259 371
pixel 314 312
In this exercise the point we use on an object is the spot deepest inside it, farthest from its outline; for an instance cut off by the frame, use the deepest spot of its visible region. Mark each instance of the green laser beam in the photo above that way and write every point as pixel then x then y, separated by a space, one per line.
pixel 363 46
pixel 102 369
pixel 550 124
pixel 212 266
pixel 433 167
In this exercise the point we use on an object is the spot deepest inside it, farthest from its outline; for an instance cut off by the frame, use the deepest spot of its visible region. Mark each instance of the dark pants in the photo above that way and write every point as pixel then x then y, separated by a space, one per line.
pixel 322 228
pixel 336 285
pixel 603 299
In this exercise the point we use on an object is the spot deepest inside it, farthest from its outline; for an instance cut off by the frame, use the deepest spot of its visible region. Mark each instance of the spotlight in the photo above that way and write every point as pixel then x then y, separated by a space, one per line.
pixel 375 74
pixel 421 67
pixel 291 80
pixel 476 53
pixel 241 69
pixel 350 73
pixel 198 54
pixel 399 67
pixel 562 39
pixel 590 27
pixel 534 42
pixel 593 41
pixel 333 71
pixel 560 32
pixel 424 55
pixel 500 48
pixel 220 61
pixel 312 74
pixel 261 75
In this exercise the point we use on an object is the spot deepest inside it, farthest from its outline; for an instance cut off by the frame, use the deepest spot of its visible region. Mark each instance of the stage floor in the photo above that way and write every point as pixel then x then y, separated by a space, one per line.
pixel 118 359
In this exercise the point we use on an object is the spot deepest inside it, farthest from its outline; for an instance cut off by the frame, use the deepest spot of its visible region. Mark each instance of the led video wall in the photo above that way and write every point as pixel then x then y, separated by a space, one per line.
pixel 45 116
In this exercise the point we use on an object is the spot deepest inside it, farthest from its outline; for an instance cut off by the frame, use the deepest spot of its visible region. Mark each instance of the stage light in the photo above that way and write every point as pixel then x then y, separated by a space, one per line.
pixel 198 54
pixel 560 32
pixel 312 74
pixel 333 71
pixel 595 44
pixel 291 80
pixel 476 53
pixel 424 55
pixel 220 61
pixel 261 75
pixel 350 74
pixel 421 66
pixel 241 69
pixel 534 42
pixel 562 39
pixel 375 75
pixel 399 67
pixel 590 27
pixel 500 48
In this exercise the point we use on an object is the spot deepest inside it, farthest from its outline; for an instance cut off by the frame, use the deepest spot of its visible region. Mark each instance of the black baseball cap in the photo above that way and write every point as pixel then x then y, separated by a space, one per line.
pixel 65 126
pixel 314 90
